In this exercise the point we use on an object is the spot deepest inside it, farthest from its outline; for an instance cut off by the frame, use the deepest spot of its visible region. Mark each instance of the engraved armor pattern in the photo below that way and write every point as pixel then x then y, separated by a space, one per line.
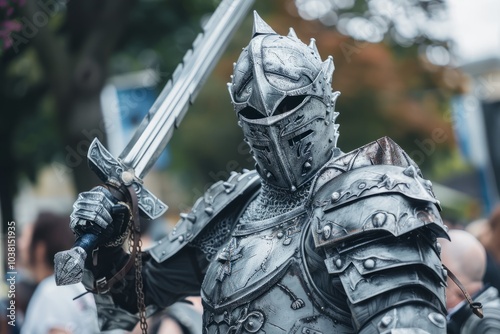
pixel 259 283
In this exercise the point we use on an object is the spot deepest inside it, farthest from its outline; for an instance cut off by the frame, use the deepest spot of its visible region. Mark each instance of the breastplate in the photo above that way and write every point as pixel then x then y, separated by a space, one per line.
pixel 259 283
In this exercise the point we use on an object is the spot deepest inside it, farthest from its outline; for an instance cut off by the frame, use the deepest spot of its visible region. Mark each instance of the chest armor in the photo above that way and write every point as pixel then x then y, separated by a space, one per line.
pixel 259 283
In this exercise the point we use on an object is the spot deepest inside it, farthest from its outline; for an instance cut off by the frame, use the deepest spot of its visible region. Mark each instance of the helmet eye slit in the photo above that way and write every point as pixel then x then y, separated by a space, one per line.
pixel 289 103
pixel 251 113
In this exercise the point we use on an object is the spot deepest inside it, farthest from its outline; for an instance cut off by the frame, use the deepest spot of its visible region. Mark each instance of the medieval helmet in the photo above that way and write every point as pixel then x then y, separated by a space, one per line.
pixel 281 91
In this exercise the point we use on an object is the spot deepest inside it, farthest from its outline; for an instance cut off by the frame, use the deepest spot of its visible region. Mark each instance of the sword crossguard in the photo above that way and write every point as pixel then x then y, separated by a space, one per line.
pixel 113 171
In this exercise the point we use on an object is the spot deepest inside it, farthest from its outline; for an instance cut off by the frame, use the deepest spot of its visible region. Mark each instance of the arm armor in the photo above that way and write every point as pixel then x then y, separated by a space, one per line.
pixel 377 225
pixel 174 267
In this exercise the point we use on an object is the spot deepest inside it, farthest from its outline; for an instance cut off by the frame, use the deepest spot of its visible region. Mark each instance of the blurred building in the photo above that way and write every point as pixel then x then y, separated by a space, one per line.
pixel 477 124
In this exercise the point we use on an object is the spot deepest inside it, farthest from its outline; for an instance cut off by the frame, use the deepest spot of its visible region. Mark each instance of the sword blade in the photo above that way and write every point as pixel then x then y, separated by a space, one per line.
pixel 156 129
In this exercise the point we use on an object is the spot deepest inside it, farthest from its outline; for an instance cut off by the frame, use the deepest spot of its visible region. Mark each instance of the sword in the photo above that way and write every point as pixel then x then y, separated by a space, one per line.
pixel 155 130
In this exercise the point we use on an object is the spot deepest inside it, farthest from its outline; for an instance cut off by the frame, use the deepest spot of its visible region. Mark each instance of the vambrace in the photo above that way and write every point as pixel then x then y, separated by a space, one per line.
pixel 116 307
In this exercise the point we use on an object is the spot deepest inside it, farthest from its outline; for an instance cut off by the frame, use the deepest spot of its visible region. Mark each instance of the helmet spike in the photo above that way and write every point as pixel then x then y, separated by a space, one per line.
pixel 292 34
pixel 260 27
pixel 328 68
pixel 313 46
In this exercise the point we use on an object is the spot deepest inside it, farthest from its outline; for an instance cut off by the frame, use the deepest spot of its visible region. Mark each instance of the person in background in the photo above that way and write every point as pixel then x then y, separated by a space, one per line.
pixel 482 231
pixel 52 308
pixel 466 258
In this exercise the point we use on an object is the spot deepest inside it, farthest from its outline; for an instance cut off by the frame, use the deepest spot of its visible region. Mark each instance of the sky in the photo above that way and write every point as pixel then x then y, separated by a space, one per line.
pixel 475 28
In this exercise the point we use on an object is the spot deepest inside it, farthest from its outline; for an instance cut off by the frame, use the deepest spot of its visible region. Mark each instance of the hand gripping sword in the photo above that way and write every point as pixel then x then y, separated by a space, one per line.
pixel 155 130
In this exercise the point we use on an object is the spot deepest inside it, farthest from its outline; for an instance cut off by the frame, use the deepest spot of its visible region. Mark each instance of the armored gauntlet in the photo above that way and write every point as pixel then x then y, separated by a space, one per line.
pixel 100 213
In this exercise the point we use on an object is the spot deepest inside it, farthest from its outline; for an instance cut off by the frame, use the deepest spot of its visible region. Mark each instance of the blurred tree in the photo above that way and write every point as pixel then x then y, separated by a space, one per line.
pixel 55 61
pixel 57 56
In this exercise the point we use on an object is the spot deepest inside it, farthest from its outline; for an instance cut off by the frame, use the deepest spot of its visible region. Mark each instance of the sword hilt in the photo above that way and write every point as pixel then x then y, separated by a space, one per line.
pixel 69 264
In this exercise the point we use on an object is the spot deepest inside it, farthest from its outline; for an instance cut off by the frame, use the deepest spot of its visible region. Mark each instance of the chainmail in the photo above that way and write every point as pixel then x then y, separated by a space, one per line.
pixel 272 202
pixel 215 236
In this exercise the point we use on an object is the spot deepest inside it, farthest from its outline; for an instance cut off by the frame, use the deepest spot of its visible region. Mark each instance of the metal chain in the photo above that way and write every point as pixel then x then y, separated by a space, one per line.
pixel 138 278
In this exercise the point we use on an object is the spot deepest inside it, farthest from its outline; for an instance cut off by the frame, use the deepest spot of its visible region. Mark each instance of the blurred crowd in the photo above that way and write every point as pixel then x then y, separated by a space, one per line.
pixel 42 307
pixel 472 255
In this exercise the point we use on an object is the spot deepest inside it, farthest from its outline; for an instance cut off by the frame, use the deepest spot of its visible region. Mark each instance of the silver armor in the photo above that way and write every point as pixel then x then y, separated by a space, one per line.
pixel 315 241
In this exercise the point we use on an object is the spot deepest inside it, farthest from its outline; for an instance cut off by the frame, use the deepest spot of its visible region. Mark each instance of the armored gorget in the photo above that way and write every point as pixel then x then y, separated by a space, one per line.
pixel 260 283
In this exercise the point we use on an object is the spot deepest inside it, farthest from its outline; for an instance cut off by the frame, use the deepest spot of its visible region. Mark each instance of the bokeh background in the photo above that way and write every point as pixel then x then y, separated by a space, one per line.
pixel 423 72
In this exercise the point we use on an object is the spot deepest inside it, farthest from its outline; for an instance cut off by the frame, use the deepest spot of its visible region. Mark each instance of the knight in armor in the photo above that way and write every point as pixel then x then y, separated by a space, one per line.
pixel 313 241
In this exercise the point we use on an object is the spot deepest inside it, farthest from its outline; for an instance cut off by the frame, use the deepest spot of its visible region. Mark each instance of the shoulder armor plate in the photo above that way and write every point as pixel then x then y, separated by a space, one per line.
pixel 204 211
pixel 355 193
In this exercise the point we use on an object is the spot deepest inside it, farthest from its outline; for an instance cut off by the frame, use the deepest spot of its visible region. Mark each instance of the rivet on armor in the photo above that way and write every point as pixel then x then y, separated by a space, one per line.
pixel 437 319
pixel 438 247
pixel 307 165
pixel 369 264
pixel 386 321
pixel 338 263
pixel 335 196
pixel 428 183
pixel 181 239
pixel 379 219
pixel 269 175
pixel 163 252
pixel 160 242
pixel 445 273
pixel 327 231
pixel 280 235
pixel 362 185
pixel 209 210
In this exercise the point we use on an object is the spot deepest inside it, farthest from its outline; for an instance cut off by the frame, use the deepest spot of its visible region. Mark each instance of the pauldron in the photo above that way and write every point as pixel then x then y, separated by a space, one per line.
pixel 208 213
pixel 377 221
